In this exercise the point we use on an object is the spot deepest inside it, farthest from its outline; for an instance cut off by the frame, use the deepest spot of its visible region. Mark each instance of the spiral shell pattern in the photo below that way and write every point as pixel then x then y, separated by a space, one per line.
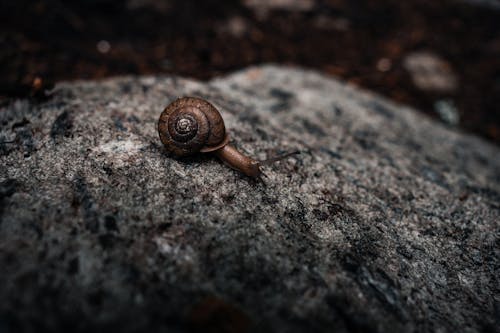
pixel 190 125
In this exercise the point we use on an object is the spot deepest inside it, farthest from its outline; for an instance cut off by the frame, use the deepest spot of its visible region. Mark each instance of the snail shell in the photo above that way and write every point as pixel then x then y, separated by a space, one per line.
pixel 190 125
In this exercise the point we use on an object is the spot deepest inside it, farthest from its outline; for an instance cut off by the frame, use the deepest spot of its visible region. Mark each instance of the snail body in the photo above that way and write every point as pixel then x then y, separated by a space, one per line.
pixel 192 125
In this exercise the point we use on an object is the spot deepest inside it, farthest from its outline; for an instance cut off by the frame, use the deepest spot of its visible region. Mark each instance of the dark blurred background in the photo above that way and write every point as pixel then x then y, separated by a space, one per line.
pixel 443 57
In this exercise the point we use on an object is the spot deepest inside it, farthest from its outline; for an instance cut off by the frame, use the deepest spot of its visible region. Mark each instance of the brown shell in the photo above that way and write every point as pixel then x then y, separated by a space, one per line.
pixel 190 125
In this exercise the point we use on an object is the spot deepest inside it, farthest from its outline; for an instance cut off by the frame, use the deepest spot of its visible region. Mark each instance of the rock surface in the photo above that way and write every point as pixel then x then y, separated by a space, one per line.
pixel 387 221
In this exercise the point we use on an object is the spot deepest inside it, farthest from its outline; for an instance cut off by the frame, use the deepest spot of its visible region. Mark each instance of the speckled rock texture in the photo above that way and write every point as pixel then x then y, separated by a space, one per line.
pixel 386 222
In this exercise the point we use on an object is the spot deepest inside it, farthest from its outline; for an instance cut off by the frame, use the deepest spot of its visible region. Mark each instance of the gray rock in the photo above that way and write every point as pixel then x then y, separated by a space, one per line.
pixel 430 72
pixel 387 221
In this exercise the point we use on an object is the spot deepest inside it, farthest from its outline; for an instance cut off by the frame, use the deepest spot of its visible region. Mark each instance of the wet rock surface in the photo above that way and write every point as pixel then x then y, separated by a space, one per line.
pixel 387 221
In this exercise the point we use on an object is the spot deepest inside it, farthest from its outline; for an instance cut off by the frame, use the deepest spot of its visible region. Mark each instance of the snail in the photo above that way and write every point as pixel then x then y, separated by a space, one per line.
pixel 190 125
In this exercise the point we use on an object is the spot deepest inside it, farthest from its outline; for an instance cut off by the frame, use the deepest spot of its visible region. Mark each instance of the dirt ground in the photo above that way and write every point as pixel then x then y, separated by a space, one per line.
pixel 370 43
